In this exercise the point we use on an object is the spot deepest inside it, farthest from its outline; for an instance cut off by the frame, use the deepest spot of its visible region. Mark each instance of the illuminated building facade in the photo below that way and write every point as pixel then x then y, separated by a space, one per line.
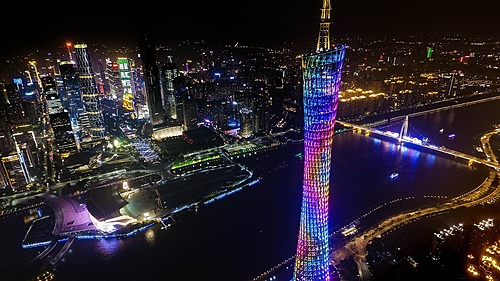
pixel 321 81
pixel 169 72
pixel 89 92
pixel 20 165
pixel 112 81
pixel 13 169
pixel 26 147
pixel 246 127
pixel 126 83
pixel 59 119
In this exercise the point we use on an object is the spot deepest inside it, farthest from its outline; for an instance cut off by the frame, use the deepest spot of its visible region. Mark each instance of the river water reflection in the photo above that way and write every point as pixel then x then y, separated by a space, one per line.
pixel 247 233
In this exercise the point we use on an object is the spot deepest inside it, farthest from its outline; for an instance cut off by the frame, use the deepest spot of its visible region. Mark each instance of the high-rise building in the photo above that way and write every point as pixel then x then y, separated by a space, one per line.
pixel 169 72
pixel 24 162
pixel 125 74
pixel 246 127
pixel 13 104
pixel 4 180
pixel 321 72
pixel 152 77
pixel 185 102
pixel 89 92
pixel 69 76
pixel 84 125
pixel 14 172
pixel 59 120
pixel 112 75
pixel 63 133
pixel 71 90
pixel 52 99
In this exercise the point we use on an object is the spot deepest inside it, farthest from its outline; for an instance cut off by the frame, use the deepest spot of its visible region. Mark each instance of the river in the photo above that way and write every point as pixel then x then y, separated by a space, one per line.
pixel 248 232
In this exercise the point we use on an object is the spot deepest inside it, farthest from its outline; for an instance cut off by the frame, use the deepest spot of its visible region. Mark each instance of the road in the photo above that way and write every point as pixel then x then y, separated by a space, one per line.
pixel 356 246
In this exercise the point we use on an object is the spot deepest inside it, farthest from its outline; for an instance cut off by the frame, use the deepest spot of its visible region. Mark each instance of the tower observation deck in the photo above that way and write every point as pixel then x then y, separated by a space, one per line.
pixel 321 72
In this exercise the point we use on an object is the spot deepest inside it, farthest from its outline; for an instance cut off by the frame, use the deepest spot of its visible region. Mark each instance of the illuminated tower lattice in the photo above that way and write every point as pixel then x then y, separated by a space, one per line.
pixel 321 81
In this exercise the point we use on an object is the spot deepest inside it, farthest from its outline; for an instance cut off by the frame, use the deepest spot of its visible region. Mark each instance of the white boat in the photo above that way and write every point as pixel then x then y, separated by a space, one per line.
pixel 394 175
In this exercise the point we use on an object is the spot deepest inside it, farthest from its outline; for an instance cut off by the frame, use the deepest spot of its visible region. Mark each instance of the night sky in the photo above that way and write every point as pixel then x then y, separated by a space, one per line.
pixel 259 22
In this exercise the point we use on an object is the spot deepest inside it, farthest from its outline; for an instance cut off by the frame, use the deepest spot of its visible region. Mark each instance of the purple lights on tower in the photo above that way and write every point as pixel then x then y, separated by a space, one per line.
pixel 321 72
pixel 321 75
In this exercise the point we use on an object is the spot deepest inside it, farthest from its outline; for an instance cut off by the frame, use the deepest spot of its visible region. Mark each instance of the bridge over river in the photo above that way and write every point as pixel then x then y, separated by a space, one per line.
pixel 355 246
pixel 486 192
pixel 403 138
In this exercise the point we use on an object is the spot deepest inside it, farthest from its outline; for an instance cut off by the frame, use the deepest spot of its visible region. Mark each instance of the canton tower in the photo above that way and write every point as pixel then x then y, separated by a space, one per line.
pixel 321 74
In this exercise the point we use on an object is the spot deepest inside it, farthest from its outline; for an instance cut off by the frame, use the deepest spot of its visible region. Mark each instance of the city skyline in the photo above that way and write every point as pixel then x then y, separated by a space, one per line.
pixel 256 22
pixel 274 153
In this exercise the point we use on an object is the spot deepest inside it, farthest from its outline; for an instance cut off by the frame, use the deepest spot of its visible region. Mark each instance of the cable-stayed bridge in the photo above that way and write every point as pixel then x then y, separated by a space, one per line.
pixel 403 138
pixel 355 246
pixel 486 192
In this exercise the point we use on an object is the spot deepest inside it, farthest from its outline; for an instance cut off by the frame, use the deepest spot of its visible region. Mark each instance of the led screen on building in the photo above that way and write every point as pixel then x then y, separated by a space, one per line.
pixel 124 69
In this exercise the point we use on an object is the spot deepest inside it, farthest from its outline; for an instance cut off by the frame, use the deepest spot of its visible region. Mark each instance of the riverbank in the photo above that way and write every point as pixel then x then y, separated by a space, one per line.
pixel 428 108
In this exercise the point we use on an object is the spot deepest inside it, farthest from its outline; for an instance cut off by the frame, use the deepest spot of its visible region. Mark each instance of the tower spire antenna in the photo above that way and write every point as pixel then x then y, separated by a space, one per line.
pixel 324 28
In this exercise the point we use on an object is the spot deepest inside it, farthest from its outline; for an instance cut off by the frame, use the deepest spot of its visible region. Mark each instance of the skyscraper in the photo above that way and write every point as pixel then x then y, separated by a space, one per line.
pixel 127 94
pixel 321 74
pixel 169 72
pixel 113 84
pixel 246 127
pixel 59 119
pixel 152 77
pixel 71 90
pixel 89 92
